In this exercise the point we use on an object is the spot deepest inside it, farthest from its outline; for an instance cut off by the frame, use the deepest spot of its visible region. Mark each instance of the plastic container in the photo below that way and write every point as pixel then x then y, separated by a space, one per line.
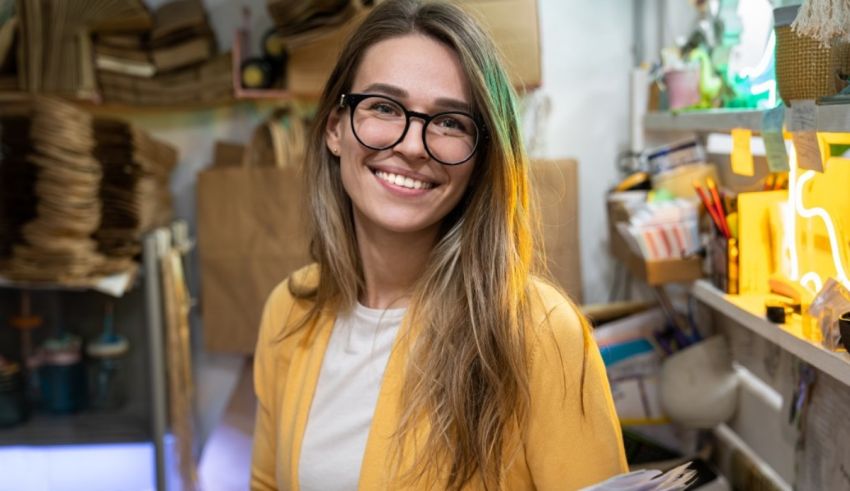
pixel 62 375
pixel 682 88
pixel 844 329
pixel 13 407
pixel 107 372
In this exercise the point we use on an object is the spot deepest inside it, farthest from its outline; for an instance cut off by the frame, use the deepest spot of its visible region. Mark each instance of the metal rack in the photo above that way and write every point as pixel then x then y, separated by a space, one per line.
pixel 144 418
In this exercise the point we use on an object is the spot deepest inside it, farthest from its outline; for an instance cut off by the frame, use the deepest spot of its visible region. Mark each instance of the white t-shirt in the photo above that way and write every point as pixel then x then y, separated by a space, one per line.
pixel 345 398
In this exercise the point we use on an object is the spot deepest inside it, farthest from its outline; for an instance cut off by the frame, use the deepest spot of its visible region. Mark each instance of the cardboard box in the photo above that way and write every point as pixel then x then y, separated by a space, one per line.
pixel 654 273
pixel 555 187
pixel 513 25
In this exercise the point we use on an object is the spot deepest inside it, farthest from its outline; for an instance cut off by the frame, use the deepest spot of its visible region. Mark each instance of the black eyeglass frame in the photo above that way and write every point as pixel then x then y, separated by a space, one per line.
pixel 352 99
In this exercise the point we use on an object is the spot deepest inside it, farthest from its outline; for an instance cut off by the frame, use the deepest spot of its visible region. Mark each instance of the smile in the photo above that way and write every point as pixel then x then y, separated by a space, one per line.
pixel 403 181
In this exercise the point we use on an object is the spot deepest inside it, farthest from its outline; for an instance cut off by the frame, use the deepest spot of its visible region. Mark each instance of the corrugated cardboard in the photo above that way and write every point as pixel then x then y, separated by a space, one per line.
pixel 554 184
pixel 512 23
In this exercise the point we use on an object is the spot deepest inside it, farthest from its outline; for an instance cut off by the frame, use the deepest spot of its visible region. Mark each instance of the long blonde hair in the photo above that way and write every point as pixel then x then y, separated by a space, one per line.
pixel 467 372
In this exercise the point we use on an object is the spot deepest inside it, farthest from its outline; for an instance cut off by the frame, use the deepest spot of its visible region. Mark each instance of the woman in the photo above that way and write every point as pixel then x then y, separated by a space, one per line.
pixel 419 352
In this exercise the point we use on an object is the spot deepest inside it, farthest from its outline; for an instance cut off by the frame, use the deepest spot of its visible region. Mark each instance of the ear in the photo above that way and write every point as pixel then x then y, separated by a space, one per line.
pixel 333 131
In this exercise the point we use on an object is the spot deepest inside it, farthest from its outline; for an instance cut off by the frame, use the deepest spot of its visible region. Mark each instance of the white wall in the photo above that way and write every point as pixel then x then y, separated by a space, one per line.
pixel 586 61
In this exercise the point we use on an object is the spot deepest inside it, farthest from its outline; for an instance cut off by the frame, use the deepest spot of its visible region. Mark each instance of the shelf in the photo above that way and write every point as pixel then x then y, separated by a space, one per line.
pixel 832 118
pixel 746 310
pixel 83 428
pixel 709 120
pixel 115 285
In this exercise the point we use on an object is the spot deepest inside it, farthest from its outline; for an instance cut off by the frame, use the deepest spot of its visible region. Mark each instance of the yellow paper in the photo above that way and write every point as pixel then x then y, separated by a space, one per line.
pixel 756 239
pixel 742 154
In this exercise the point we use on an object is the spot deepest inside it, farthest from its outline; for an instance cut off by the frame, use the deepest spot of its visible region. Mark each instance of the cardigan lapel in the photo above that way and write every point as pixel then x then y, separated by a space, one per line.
pixel 377 458
pixel 303 374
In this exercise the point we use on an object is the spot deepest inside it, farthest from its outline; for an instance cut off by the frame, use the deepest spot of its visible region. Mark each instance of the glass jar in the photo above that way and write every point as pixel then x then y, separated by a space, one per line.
pixel 62 375
pixel 107 373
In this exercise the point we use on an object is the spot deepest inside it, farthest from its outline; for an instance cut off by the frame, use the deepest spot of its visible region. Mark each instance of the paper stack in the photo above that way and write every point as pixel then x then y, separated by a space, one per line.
pixel 295 18
pixel 50 187
pixel 55 53
pixel 76 192
pixel 134 189
pixel 173 62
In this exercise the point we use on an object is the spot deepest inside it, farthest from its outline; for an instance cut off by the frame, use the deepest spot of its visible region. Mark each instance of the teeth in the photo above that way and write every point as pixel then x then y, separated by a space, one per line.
pixel 402 181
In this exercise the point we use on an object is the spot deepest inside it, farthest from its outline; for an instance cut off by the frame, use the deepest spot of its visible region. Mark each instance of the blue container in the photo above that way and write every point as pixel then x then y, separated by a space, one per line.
pixel 13 407
pixel 107 374
pixel 62 376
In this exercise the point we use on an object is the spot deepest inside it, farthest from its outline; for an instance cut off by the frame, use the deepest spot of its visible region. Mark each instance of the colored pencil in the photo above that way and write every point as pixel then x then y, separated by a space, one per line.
pixel 719 206
pixel 708 208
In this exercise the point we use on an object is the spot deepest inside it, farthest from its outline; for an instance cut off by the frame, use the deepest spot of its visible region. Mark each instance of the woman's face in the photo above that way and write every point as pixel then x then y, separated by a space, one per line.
pixel 402 189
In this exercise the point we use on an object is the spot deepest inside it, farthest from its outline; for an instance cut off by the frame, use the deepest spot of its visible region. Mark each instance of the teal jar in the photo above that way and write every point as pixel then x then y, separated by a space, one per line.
pixel 62 375
pixel 107 372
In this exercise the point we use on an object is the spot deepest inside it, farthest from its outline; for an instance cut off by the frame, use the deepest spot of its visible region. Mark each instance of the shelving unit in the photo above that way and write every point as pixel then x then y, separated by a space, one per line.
pixel 834 118
pixel 115 285
pixel 144 417
pixel 747 311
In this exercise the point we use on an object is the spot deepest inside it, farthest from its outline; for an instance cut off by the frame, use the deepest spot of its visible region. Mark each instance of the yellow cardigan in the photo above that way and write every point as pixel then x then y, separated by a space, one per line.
pixel 560 448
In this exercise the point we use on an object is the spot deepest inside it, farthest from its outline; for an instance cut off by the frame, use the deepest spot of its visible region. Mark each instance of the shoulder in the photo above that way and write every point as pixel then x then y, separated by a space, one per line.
pixel 289 301
pixel 557 328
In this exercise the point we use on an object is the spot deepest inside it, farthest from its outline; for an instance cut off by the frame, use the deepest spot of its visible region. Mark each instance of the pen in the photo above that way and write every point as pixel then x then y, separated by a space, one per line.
pixel 708 208
pixel 721 214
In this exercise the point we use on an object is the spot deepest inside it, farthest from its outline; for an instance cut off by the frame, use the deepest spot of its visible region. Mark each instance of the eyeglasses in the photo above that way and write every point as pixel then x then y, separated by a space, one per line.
pixel 380 122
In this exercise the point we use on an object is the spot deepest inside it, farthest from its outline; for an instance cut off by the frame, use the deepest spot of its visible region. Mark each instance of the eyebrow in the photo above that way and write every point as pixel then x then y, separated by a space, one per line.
pixel 442 102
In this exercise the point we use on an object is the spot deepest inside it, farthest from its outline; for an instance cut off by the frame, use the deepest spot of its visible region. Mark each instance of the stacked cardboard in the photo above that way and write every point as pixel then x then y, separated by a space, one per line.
pixel 52 206
pixel 55 52
pixel 76 192
pixel 173 62
pixel 134 190
pixel 300 17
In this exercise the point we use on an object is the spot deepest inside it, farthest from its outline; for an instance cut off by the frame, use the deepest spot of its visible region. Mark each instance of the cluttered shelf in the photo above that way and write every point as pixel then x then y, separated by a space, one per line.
pixel 126 426
pixel 834 118
pixel 747 310
pixel 115 285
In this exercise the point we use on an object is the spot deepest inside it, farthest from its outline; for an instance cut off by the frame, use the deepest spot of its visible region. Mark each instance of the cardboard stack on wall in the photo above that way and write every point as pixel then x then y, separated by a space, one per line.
pixel 134 192
pixel 76 193
pixel 174 61
pixel 52 206
pixel 54 48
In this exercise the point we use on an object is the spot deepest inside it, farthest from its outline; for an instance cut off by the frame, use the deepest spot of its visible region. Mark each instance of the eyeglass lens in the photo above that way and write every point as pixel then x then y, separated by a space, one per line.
pixel 450 138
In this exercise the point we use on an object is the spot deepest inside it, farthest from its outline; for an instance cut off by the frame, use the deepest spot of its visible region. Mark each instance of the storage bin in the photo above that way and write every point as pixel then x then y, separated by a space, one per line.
pixel 804 68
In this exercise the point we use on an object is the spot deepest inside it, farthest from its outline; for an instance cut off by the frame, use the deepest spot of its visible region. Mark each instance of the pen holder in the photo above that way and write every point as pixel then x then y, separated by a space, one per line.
pixel 723 261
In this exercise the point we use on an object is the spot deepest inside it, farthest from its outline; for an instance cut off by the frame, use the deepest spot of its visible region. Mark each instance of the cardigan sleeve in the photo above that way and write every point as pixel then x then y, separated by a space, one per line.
pixel 573 437
pixel 264 457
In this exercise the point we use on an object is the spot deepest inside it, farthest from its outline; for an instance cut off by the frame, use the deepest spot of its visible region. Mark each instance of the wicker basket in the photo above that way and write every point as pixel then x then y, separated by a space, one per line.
pixel 804 68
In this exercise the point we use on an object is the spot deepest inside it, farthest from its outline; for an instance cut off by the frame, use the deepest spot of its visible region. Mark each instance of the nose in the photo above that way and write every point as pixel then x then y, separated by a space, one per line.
pixel 413 143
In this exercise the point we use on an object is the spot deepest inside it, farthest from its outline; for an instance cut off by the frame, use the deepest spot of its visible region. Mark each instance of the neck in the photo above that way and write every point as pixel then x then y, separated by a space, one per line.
pixel 392 262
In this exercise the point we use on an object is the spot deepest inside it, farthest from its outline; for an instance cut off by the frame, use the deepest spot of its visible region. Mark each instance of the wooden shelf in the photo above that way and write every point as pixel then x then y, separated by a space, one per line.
pixel 832 118
pixel 748 311
pixel 115 285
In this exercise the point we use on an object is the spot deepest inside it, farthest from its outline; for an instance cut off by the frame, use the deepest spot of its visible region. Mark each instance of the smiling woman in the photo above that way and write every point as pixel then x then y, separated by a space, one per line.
pixel 421 351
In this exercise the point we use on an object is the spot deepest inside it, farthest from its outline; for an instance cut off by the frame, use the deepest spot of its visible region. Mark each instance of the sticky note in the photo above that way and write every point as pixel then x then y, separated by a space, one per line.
pixel 808 150
pixel 774 142
pixel 804 116
pixel 742 154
